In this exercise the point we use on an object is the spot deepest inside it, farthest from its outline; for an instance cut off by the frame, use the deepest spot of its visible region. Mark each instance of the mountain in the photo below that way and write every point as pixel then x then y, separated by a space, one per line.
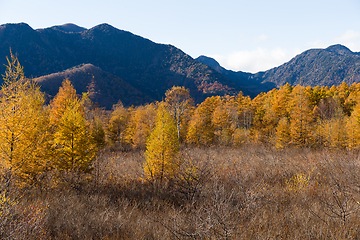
pixel 149 67
pixel 118 65
pixel 324 67
pixel 314 67
pixel 69 27
pixel 104 88
pixel 252 86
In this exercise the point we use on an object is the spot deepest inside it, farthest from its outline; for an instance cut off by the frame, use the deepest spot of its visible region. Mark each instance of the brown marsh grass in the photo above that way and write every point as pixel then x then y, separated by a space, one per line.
pixel 246 193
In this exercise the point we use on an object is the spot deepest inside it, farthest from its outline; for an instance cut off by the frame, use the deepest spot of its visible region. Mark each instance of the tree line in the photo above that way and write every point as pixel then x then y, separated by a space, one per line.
pixel 64 136
pixel 291 116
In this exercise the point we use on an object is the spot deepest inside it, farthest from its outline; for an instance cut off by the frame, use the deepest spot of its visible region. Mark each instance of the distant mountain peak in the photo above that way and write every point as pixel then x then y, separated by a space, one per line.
pixel 339 49
pixel 104 27
pixel 21 26
pixel 69 27
pixel 208 61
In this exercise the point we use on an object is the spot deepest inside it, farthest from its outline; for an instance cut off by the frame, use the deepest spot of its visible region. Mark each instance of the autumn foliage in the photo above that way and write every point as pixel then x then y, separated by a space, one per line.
pixel 230 167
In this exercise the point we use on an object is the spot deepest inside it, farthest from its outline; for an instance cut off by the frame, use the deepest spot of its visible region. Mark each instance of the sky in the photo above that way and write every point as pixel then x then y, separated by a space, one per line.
pixel 248 36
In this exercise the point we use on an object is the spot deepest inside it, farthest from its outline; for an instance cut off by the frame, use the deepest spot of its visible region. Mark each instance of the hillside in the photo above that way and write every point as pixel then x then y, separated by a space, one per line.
pixel 147 66
pixel 251 85
pixel 314 67
pixel 104 88
pixel 145 69
pixel 324 67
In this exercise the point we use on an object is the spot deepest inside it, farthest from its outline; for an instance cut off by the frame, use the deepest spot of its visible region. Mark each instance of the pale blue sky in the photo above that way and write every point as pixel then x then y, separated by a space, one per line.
pixel 250 35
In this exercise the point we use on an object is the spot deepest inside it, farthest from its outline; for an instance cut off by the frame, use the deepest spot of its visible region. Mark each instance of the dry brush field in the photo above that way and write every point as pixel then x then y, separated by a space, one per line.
pixel 219 193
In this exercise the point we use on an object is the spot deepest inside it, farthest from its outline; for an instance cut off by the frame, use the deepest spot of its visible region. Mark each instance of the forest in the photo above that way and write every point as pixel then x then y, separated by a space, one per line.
pixel 283 165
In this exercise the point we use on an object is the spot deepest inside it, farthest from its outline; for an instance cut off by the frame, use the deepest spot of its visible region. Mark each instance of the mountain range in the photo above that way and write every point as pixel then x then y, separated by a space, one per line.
pixel 113 65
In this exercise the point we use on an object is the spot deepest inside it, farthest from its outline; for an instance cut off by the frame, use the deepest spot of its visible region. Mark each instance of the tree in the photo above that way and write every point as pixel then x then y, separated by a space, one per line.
pixel 162 147
pixel 63 98
pixel 265 118
pixel 74 146
pixel 201 129
pixel 282 133
pixel 75 149
pixel 281 101
pixel 302 118
pixel 245 112
pixel 225 120
pixel 98 133
pixel 141 123
pixel 353 129
pixel 24 129
pixel 178 100
pixel 118 123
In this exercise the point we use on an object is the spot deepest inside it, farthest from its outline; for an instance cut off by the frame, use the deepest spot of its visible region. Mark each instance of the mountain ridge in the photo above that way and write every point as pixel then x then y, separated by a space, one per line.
pixel 319 66
pixel 316 67
pixel 149 69
pixel 104 88
pixel 69 27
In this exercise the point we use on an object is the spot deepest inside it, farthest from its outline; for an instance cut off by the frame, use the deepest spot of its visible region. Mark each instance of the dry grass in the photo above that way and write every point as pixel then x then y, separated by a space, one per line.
pixel 245 193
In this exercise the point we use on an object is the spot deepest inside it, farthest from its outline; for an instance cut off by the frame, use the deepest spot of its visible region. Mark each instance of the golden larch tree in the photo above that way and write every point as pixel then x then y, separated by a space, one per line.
pixel 23 125
pixel 74 146
pixel 353 129
pixel 140 125
pixel 73 143
pixel 201 128
pixel 116 129
pixel 63 98
pixel 162 147
pixel 302 122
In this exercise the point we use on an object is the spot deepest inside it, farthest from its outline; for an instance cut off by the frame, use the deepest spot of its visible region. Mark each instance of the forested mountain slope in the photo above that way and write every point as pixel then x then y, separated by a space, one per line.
pixel 147 66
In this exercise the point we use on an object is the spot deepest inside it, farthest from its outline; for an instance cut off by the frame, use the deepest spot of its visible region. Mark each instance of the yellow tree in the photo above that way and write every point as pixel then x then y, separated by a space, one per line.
pixel 178 100
pixel 302 118
pixel 98 132
pixel 162 148
pixel 23 125
pixel 73 143
pixel 225 120
pixel 63 98
pixel 344 92
pixel 265 118
pixel 141 123
pixel 75 149
pixel 118 122
pixel 201 128
pixel 352 99
pixel 282 139
pixel 245 115
pixel 353 129
pixel 331 122
pixel 245 111
pixel 281 100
